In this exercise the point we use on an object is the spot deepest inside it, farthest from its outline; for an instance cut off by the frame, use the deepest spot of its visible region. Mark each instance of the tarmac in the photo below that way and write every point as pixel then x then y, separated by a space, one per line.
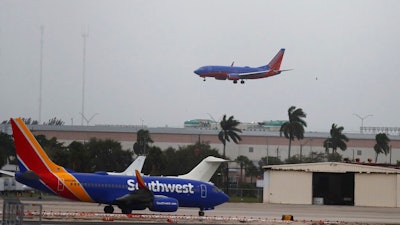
pixel 256 213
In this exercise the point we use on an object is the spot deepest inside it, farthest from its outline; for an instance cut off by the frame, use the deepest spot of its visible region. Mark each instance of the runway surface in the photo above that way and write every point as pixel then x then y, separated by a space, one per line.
pixel 230 213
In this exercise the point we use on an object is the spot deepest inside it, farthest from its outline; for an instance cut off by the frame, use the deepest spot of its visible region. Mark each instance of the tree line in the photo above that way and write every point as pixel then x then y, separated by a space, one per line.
pixel 294 128
pixel 29 121
pixel 108 155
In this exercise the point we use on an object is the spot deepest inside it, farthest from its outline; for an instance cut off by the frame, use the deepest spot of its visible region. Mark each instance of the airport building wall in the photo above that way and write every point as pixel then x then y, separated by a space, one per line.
pixel 377 190
pixel 332 183
pixel 288 187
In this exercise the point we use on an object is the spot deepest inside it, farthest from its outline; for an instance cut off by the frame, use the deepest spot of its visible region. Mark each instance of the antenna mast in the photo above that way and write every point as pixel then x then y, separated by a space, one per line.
pixel 41 73
pixel 85 35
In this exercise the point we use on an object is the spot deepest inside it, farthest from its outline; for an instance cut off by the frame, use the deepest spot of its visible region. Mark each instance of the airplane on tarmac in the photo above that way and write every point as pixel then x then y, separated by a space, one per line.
pixel 159 194
pixel 236 73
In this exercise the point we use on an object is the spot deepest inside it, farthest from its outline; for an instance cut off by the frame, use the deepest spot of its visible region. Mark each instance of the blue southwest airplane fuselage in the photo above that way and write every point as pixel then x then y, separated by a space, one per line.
pixel 236 73
pixel 128 192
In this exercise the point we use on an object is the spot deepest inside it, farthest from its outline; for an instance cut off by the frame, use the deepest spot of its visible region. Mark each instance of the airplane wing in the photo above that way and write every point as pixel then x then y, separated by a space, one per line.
pixel 140 198
pixel 255 74
pixel 249 75
pixel 144 197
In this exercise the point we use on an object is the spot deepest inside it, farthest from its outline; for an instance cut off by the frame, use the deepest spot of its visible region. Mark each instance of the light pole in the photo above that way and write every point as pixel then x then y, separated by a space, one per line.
pixel 301 148
pixel 41 73
pixel 85 35
pixel 362 120
pixel 88 120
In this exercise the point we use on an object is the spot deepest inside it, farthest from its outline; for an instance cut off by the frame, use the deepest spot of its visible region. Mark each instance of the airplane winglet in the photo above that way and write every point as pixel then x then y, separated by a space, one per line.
pixel 140 180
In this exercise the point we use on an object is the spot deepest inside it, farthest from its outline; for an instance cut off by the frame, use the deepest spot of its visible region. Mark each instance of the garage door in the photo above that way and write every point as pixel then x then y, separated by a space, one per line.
pixel 333 188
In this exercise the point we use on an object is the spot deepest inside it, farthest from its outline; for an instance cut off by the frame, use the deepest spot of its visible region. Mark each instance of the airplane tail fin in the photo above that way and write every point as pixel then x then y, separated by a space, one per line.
pixel 30 154
pixel 34 164
pixel 136 165
pixel 205 169
pixel 130 171
pixel 275 63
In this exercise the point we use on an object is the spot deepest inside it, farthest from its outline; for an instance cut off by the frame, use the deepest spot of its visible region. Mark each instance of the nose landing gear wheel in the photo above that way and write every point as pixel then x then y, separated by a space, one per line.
pixel 201 213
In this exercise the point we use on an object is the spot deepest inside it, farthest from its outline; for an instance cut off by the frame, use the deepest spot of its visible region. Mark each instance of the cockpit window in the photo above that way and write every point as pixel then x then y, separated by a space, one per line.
pixel 216 190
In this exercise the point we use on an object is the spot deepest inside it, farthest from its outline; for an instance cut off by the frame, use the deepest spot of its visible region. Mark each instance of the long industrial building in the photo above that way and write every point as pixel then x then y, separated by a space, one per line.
pixel 255 143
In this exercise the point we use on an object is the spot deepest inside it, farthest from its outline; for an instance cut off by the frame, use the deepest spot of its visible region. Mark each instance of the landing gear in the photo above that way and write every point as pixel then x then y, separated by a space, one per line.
pixel 126 211
pixel 201 212
pixel 204 79
pixel 108 209
pixel 235 81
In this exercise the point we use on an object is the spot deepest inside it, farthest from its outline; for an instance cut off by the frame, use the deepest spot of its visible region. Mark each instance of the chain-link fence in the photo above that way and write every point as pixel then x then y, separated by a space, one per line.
pixel 245 194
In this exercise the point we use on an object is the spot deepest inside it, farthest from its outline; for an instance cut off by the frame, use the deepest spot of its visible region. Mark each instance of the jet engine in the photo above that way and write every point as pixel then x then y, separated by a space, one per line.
pixel 164 204
pixel 233 76
pixel 220 78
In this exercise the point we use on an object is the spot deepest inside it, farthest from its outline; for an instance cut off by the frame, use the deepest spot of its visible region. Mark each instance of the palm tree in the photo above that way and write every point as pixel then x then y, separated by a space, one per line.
pixel 294 128
pixel 337 139
pixel 382 145
pixel 251 171
pixel 7 149
pixel 243 162
pixel 229 131
pixel 142 142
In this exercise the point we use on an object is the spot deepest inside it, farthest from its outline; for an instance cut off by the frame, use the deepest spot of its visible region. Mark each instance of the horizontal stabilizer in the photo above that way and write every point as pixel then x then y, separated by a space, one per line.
pixel 8 173
pixel 30 175
pixel 204 170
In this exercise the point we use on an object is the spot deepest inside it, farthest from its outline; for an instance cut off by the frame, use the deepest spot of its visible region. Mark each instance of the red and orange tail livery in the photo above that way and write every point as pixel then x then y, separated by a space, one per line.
pixel 32 159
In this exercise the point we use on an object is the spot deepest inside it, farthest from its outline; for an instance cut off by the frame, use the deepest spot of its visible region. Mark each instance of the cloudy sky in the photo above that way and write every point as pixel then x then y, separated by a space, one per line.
pixel 140 58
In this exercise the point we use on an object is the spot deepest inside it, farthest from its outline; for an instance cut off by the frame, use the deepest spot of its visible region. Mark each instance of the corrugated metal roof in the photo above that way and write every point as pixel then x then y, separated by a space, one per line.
pixel 333 167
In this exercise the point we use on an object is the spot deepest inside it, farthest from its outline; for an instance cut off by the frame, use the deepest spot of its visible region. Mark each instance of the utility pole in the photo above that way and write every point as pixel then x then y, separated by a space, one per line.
pixel 41 73
pixel 84 36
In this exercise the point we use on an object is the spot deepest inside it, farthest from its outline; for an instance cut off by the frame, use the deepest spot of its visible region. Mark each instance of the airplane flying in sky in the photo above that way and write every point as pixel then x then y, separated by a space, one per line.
pixel 159 194
pixel 236 73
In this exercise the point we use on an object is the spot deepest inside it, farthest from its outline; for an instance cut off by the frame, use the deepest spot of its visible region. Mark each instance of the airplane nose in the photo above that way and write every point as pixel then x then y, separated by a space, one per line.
pixel 226 197
pixel 222 198
pixel 197 72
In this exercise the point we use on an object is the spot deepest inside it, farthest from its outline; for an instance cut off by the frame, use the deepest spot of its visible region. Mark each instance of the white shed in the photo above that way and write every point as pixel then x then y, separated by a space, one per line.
pixel 332 183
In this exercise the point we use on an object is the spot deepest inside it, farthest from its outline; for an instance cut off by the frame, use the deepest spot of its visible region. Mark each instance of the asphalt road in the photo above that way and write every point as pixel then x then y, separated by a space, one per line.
pixel 235 212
